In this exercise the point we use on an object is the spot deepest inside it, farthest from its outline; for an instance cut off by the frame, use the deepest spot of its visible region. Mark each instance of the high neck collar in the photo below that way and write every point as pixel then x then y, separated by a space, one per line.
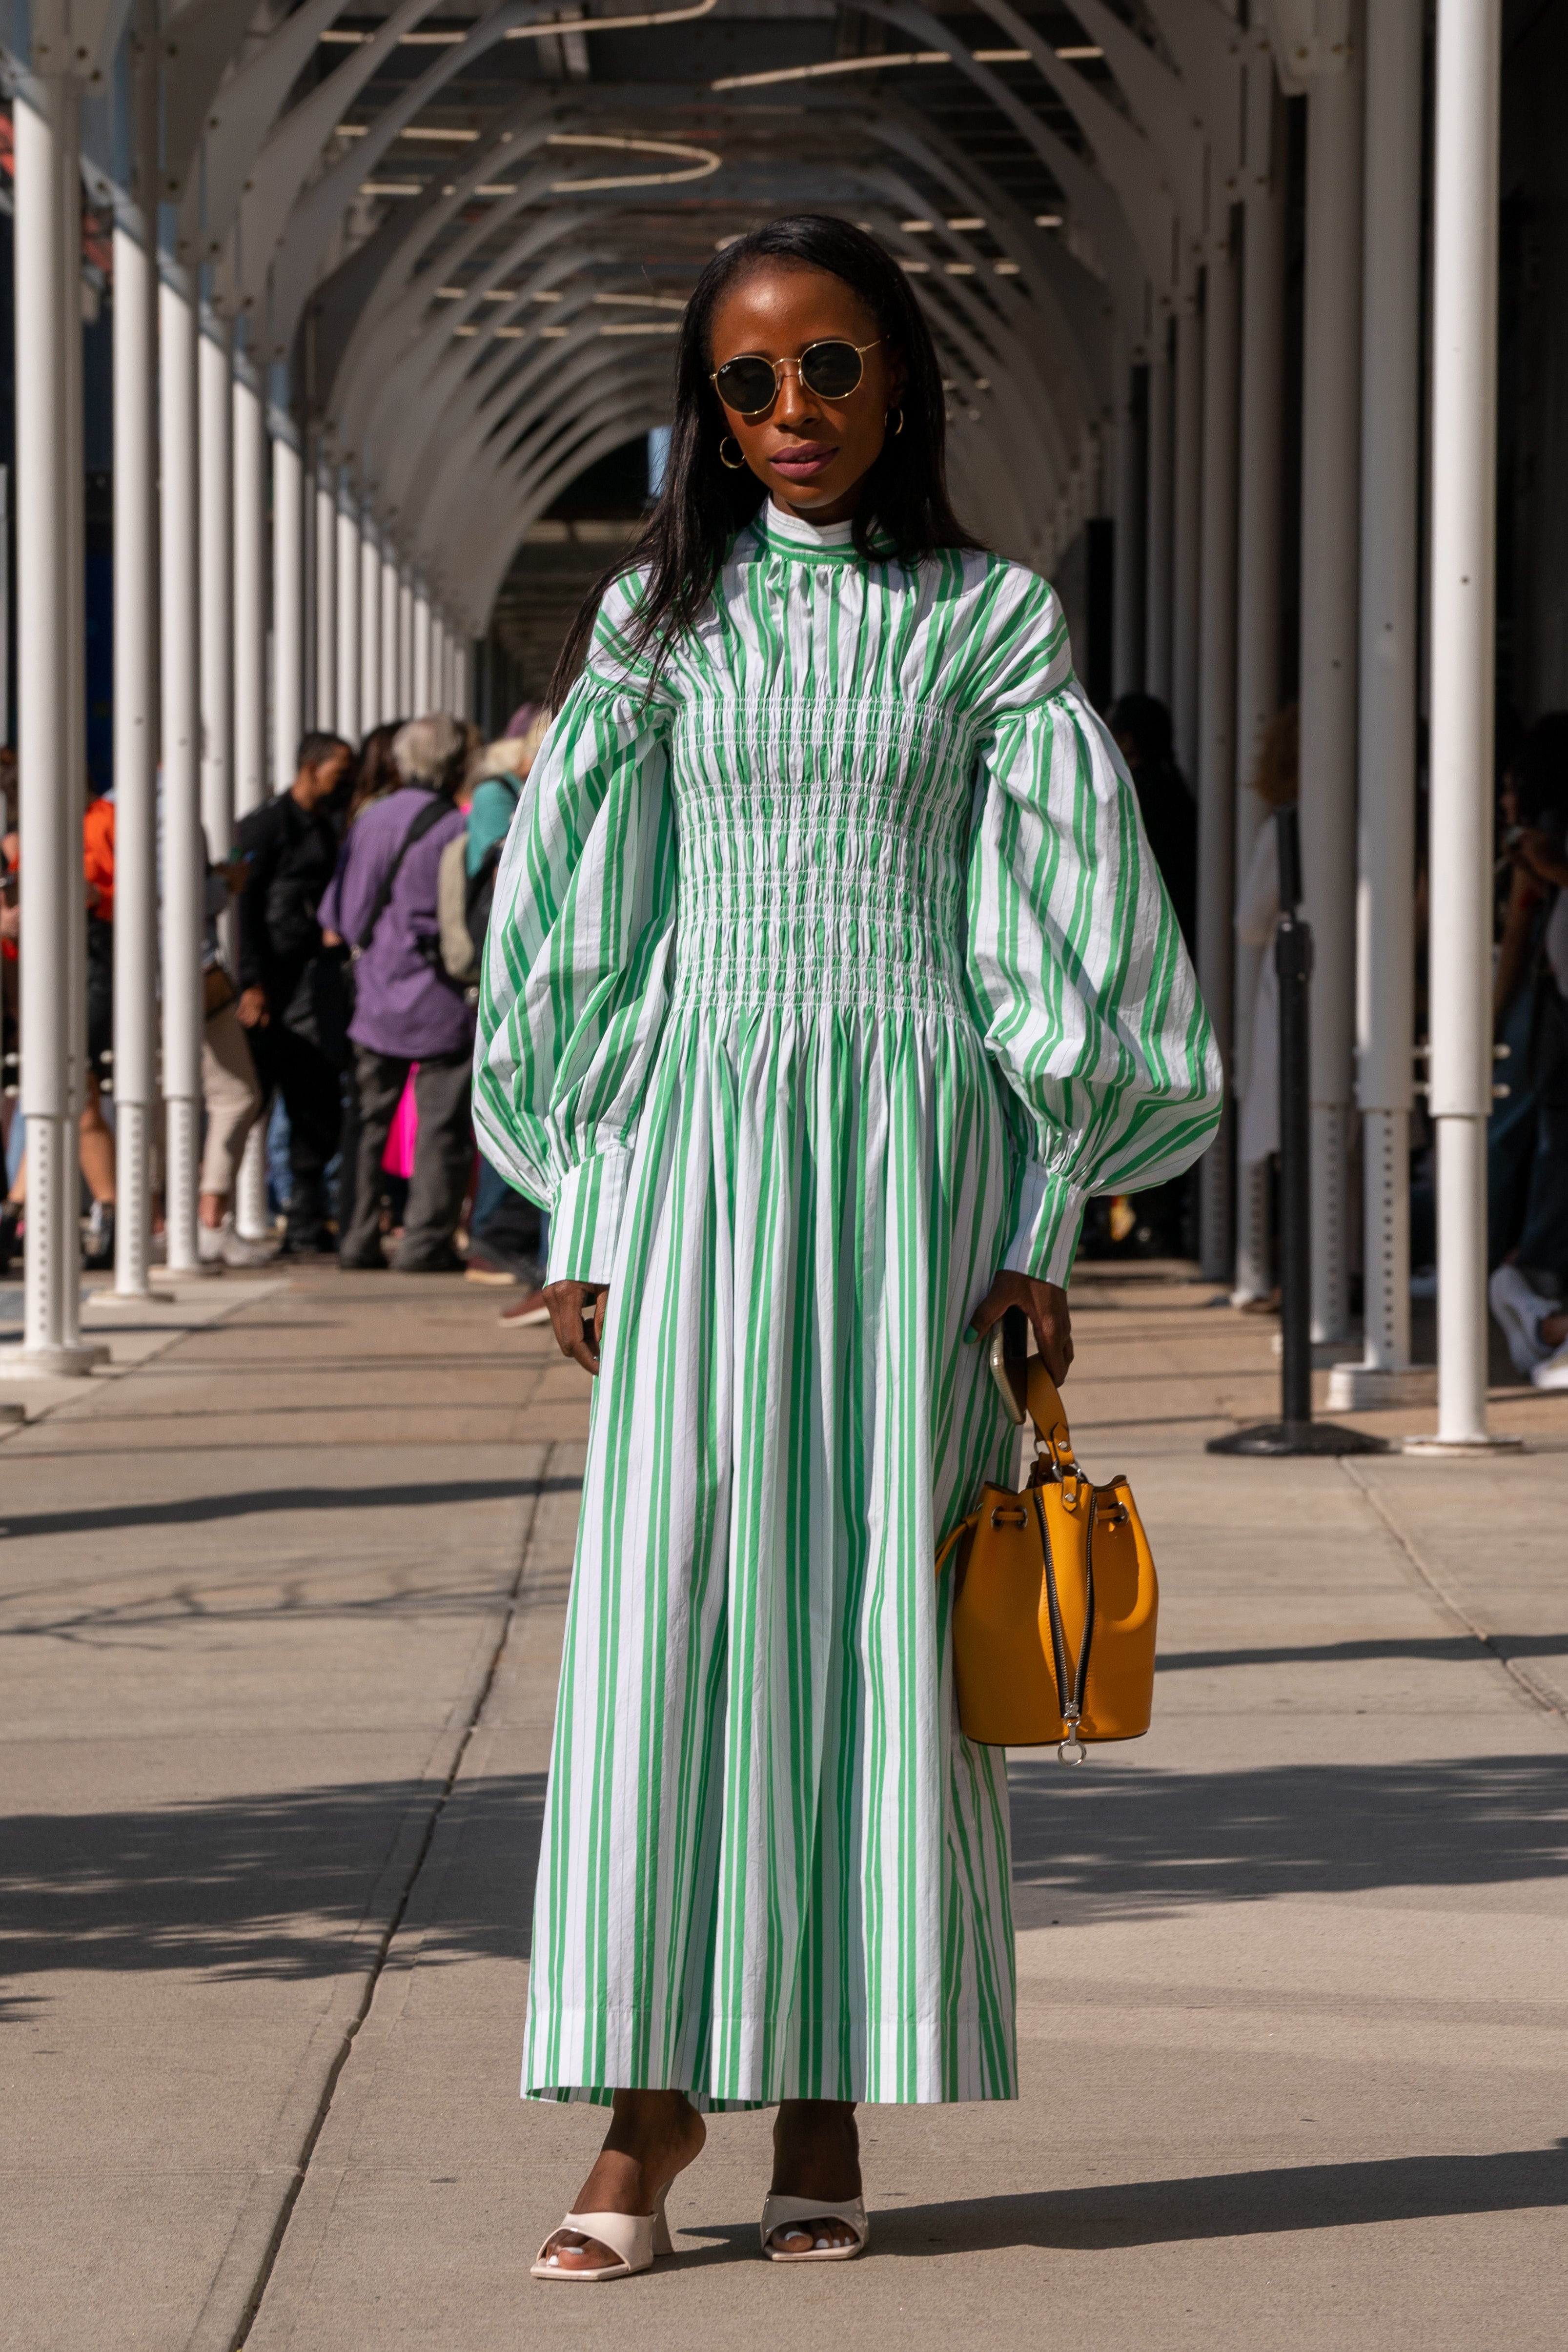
pixel 798 532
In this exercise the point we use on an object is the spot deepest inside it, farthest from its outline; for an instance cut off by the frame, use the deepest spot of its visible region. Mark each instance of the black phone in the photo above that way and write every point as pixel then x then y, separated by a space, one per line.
pixel 1009 1362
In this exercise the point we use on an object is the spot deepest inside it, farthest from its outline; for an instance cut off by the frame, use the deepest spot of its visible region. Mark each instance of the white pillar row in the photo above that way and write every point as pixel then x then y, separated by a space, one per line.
pixel 407 699
pixel 215 369
pixel 422 649
pixel 44 118
pixel 372 713
pixel 1216 776
pixel 1257 586
pixel 251 761
pixel 438 700
pixel 290 651
pixel 348 567
pixel 1331 483
pixel 250 587
pixel 462 698
pixel 136 685
pixel 1187 523
pixel 183 874
pixel 1157 523
pixel 324 500
pixel 75 490
pixel 1390 631
pixel 1463 580
pixel 392 680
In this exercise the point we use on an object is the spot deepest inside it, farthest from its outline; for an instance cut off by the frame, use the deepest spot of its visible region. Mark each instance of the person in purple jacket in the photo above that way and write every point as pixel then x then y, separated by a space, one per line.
pixel 382 902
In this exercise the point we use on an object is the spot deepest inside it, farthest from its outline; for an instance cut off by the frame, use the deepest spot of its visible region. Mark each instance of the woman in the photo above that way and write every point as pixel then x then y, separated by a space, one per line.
pixel 829 974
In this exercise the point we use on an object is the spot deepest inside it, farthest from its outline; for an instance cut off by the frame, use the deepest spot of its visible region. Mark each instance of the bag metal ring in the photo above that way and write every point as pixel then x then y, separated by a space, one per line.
pixel 1072 1751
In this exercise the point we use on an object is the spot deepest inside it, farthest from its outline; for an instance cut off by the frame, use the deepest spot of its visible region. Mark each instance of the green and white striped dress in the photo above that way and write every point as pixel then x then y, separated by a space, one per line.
pixel 826 978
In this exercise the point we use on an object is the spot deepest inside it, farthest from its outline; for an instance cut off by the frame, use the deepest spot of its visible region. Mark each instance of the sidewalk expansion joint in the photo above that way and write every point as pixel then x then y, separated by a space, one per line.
pixel 297 2172
pixel 1540 1694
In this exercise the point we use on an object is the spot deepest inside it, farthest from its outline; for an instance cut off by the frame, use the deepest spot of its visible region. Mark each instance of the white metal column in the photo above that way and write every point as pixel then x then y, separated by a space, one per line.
pixel 391 609
pixel 462 698
pixel 215 508
pixel 1217 727
pixel 422 650
pixel 1157 523
pixel 184 872
pixel 250 759
pixel 1385 834
pixel 324 492
pixel 407 697
pixel 371 714
pixel 347 572
pixel 1187 553
pixel 1257 586
pixel 136 680
pixel 1464 559
pixel 1330 481
pixel 74 551
pixel 288 646
pixel 45 131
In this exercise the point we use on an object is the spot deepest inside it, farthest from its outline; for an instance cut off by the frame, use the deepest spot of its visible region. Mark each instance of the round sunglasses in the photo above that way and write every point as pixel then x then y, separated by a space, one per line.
pixel 831 370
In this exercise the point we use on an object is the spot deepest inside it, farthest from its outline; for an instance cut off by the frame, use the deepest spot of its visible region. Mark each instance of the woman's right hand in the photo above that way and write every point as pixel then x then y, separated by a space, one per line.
pixel 576 1312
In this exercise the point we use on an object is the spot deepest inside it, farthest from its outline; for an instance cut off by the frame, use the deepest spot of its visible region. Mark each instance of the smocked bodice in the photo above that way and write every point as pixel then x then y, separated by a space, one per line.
pixel 822 847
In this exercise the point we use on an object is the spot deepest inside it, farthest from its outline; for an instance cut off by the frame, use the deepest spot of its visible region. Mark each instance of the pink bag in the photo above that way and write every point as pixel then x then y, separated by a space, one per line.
pixel 397 1160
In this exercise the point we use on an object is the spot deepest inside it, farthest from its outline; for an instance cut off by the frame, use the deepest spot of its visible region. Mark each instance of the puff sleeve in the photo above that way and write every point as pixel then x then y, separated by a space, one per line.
pixel 577 956
pixel 1088 1001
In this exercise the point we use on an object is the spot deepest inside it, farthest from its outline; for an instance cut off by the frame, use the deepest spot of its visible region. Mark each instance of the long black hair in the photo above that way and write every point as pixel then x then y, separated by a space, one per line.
pixel 904 512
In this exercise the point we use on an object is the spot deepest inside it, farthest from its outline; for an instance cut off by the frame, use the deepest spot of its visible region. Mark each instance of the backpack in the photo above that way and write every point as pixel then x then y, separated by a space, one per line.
pixel 464 901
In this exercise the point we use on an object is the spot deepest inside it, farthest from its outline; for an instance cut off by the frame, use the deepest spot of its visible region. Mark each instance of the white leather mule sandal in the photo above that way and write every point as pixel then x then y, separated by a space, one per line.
pixel 636 2238
pixel 783 2212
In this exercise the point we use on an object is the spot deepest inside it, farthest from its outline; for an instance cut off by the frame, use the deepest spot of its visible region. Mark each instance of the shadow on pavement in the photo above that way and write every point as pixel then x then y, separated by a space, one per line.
pixel 1441 1649
pixel 194 1510
pixel 1133 1840
pixel 1169 2212
pixel 260 1885
pixel 1237 2204
pixel 273 1884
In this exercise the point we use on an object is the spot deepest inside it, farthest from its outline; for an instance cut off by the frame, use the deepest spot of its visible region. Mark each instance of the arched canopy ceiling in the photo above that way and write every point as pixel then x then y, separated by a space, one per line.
pixel 469 230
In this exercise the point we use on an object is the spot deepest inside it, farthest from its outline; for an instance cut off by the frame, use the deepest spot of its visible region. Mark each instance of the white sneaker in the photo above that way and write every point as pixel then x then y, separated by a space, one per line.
pixel 1521 1311
pixel 223 1245
pixel 1551 1373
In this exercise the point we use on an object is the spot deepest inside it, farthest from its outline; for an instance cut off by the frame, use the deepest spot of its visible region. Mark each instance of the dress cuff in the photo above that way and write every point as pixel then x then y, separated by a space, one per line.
pixel 1049 1218
pixel 585 1218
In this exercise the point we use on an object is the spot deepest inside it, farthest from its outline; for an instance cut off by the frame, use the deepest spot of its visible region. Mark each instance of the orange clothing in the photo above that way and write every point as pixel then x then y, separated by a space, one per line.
pixel 97 855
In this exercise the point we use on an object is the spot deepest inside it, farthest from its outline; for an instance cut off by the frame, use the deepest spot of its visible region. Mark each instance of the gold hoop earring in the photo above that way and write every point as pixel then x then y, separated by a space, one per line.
pixel 899 426
pixel 738 462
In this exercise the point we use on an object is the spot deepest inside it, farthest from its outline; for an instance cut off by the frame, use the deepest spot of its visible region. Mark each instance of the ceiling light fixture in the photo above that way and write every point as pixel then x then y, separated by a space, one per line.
pixel 704 160
pixel 833 66
pixel 551 30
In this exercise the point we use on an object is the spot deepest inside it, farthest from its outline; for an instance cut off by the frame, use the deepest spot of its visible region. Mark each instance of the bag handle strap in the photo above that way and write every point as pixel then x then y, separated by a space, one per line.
pixel 423 822
pixel 1050 1417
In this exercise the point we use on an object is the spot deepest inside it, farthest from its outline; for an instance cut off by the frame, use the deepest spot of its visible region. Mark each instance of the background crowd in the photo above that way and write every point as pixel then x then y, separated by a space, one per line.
pixel 342 947
pixel 341 962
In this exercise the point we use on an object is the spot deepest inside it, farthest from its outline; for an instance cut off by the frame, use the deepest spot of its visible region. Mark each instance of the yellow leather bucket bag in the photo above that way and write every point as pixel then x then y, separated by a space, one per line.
pixel 1057 1601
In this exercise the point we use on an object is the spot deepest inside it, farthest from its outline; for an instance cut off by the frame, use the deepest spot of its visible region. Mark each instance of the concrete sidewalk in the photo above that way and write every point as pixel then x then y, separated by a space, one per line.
pixel 281 1613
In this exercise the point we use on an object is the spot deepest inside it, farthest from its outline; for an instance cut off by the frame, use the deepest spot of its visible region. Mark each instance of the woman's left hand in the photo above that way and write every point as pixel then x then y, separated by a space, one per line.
pixel 1046 1306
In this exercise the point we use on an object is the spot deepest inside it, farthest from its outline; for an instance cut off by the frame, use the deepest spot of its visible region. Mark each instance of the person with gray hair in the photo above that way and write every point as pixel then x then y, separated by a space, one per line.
pixel 383 904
